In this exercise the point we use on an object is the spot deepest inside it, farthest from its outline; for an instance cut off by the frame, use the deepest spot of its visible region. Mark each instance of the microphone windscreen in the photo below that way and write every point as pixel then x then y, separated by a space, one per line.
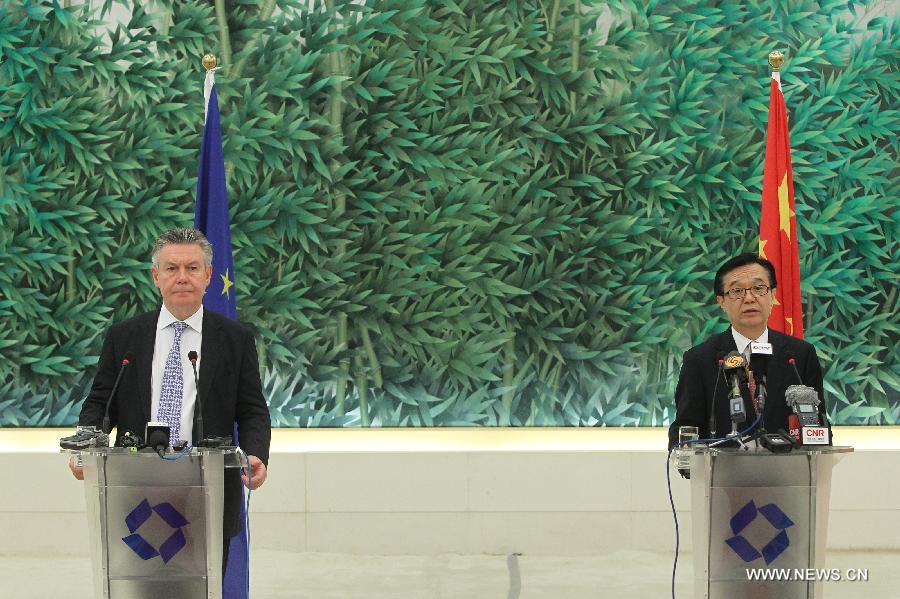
pixel 736 364
pixel 802 394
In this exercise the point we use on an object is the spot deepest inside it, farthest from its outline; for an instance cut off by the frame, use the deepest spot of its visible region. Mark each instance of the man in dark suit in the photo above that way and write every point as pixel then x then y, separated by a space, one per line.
pixel 160 385
pixel 745 290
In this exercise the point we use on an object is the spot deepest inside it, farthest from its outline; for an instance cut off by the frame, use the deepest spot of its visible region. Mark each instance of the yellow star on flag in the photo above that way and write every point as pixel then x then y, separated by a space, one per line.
pixel 762 248
pixel 226 284
pixel 790 322
pixel 784 208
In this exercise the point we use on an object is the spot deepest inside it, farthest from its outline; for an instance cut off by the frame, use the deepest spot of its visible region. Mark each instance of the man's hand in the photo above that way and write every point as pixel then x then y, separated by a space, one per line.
pixel 258 470
pixel 77 471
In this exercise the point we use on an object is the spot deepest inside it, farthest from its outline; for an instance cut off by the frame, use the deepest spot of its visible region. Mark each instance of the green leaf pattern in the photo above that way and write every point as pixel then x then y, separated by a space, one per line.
pixel 469 213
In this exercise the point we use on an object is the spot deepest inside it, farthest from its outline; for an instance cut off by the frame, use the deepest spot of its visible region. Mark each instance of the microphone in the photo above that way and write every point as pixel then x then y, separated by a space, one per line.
pixel 804 401
pixel 157 436
pixel 198 409
pixel 759 365
pixel 805 404
pixel 128 359
pixel 804 418
pixel 794 428
pixel 761 394
pixel 736 372
pixel 712 408
pixel 793 417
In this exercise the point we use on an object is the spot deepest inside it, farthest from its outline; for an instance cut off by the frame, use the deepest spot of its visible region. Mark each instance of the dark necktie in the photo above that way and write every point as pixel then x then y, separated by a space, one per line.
pixel 752 383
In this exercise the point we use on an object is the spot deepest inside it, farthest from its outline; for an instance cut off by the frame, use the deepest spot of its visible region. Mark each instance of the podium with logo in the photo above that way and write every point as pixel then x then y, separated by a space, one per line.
pixel 156 524
pixel 758 516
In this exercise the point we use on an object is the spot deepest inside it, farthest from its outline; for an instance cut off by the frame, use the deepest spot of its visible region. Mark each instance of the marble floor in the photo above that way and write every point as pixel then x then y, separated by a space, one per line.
pixel 278 574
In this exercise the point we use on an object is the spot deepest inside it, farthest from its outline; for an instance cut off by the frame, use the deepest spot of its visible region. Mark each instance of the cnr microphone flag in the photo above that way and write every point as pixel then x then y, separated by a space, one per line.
pixel 778 223
pixel 211 217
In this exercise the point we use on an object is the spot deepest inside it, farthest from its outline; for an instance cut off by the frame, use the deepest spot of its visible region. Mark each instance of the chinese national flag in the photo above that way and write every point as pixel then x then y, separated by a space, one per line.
pixel 778 223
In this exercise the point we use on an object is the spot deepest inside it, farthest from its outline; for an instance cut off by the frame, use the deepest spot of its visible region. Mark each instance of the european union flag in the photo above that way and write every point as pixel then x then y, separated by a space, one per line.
pixel 211 214
pixel 211 217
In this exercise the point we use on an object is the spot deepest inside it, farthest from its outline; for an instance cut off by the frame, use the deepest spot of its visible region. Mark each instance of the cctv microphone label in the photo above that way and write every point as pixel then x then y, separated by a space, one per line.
pixel 761 348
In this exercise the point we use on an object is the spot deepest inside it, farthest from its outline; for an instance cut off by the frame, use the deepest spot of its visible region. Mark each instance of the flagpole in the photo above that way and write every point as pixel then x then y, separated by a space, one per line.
pixel 209 63
pixel 776 59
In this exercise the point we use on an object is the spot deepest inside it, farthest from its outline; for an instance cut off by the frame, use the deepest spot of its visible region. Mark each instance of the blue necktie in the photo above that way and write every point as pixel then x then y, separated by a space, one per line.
pixel 173 387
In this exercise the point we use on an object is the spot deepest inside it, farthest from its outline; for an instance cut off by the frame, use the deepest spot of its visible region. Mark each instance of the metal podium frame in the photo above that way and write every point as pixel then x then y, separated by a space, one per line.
pixel 155 524
pixel 754 509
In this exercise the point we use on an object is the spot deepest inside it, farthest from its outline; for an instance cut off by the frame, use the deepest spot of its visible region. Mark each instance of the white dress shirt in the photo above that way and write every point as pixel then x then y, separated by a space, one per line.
pixel 743 346
pixel 191 339
pixel 743 343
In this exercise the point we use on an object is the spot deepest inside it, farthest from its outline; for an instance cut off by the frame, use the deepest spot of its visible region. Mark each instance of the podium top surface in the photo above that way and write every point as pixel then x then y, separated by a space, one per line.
pixel 149 453
pixel 761 451
pixel 232 456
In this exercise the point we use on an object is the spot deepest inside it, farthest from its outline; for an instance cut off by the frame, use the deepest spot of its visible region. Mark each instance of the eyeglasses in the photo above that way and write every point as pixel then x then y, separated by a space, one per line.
pixel 737 293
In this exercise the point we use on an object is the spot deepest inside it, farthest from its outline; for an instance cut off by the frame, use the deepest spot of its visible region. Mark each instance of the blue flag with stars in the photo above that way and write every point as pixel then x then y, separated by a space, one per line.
pixel 211 217
pixel 211 214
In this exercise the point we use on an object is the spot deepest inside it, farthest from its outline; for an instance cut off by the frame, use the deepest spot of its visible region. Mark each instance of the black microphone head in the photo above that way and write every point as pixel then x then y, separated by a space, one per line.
pixel 759 364
pixel 192 356
pixel 157 435
pixel 128 358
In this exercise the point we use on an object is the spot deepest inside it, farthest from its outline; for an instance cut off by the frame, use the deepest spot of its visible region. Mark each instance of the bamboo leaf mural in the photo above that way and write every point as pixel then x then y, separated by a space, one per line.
pixel 469 213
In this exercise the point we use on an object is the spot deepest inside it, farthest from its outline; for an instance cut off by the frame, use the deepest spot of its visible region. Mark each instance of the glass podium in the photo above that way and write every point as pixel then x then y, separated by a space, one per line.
pixel 156 524
pixel 758 516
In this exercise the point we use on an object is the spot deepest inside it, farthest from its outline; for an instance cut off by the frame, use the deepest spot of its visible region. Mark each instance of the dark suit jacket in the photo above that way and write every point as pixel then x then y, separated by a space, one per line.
pixel 230 390
pixel 699 369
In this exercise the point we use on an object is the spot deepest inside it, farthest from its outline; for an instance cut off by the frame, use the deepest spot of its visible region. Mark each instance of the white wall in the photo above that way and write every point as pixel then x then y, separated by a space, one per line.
pixel 551 492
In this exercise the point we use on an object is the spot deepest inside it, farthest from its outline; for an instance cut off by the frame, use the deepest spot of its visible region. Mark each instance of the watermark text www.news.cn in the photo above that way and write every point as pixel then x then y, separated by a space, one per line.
pixel 808 574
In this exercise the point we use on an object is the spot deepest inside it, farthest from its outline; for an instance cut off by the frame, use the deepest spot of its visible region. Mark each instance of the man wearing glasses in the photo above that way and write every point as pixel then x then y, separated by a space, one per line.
pixel 745 290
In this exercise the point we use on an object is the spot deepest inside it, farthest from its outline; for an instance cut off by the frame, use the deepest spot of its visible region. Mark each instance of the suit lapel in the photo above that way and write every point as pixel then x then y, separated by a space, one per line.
pixel 145 342
pixel 776 373
pixel 724 345
pixel 726 342
pixel 209 357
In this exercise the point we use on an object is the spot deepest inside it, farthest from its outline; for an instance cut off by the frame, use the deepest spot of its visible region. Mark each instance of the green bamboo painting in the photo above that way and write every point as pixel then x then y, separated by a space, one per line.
pixel 448 213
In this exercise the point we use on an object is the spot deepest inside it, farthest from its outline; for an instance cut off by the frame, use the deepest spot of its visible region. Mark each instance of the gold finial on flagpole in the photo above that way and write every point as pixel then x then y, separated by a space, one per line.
pixel 209 61
pixel 776 59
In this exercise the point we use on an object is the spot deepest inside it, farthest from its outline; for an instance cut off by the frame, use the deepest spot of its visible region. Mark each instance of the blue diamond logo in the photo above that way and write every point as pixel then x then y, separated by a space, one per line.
pixel 168 514
pixel 775 517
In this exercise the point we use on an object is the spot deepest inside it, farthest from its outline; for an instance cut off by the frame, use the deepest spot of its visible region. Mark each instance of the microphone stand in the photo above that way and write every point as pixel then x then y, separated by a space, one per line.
pixel 761 402
pixel 736 415
pixel 105 427
pixel 198 409
pixel 712 408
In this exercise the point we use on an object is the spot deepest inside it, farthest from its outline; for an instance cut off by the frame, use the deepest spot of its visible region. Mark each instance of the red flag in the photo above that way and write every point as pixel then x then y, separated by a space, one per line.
pixel 778 223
